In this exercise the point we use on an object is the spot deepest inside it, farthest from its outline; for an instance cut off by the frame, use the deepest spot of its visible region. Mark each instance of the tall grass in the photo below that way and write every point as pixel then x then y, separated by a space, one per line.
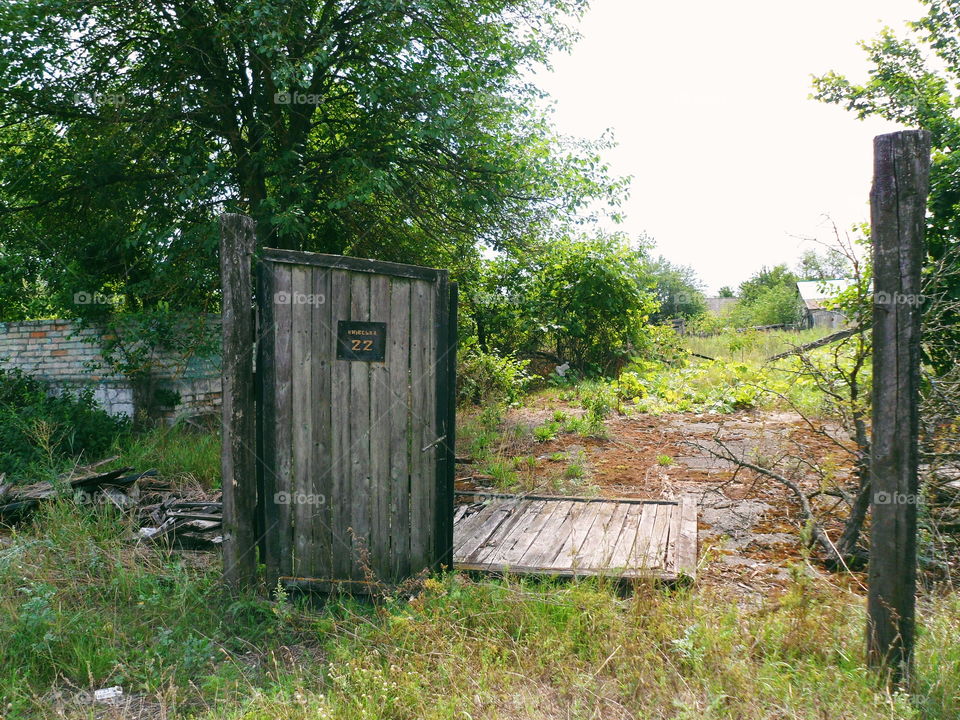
pixel 179 453
pixel 751 346
pixel 84 609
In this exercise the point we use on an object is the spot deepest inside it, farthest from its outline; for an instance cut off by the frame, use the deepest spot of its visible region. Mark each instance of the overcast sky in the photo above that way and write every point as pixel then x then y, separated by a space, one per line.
pixel 709 104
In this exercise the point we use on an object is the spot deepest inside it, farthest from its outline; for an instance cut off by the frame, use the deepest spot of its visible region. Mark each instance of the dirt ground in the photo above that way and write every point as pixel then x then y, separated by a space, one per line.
pixel 749 525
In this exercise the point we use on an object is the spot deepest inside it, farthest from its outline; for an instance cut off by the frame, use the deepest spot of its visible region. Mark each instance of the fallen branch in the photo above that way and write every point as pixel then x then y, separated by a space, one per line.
pixel 841 335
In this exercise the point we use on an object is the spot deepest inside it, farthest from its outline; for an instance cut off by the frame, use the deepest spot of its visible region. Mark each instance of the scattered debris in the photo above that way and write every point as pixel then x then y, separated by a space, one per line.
pixel 174 516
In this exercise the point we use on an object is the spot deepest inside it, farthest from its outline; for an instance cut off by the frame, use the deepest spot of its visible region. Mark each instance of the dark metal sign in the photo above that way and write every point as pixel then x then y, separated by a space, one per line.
pixel 361 340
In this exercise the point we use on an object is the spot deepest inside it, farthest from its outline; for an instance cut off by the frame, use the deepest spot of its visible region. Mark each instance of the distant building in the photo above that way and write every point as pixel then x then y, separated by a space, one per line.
pixel 719 305
pixel 813 293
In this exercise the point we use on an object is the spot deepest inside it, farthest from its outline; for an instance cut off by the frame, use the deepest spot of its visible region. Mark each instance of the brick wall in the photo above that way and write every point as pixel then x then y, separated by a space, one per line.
pixel 68 357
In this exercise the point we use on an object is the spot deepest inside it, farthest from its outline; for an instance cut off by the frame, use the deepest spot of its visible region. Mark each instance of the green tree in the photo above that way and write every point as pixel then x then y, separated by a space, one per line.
pixel 913 80
pixel 582 300
pixel 678 289
pixel 726 292
pixel 777 276
pixel 398 129
pixel 828 265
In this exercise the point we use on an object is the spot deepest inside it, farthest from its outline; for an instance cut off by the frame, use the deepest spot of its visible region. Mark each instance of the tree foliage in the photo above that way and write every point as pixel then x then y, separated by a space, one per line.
pixel 582 300
pixel 678 289
pixel 914 80
pixel 396 129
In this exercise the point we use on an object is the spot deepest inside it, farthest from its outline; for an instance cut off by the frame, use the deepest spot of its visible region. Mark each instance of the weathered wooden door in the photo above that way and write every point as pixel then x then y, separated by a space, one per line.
pixel 356 373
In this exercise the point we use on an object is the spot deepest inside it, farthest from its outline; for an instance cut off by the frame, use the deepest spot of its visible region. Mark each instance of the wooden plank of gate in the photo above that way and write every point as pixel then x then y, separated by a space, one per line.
pixel 283 405
pixel 266 358
pixel 398 368
pixel 340 494
pixel 670 553
pixel 301 378
pixel 597 533
pixel 529 536
pixel 324 351
pixel 380 431
pixel 357 414
pixel 421 477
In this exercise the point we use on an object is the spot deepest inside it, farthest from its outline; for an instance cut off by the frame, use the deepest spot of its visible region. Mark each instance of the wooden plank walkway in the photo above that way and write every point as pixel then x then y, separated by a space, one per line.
pixel 573 537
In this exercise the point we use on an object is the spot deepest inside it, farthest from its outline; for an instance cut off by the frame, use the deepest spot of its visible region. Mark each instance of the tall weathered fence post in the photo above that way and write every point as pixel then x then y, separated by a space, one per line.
pixel 238 433
pixel 897 216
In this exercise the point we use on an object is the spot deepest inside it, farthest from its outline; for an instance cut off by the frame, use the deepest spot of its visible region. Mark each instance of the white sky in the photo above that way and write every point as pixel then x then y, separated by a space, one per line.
pixel 709 104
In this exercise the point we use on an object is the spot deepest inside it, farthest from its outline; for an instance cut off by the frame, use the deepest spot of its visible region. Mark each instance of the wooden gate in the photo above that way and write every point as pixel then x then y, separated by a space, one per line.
pixel 355 419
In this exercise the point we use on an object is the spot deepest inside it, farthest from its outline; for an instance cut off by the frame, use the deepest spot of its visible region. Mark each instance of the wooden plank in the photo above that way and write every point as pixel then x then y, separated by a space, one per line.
pixel 550 537
pixel 519 510
pixel 481 495
pixel 301 378
pixel 351 264
pixel 445 423
pixel 340 494
pixel 423 466
pixel 644 552
pixel 482 530
pixel 580 528
pixel 628 535
pixel 398 370
pixel 599 555
pixel 238 462
pixel 381 400
pixel 357 414
pixel 324 352
pixel 676 520
pixel 593 542
pixel 686 549
pixel 266 423
pixel 519 539
pixel 469 525
pixel 655 557
pixel 283 404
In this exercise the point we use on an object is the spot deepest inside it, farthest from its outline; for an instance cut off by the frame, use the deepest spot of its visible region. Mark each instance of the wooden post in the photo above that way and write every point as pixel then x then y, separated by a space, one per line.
pixel 898 208
pixel 238 432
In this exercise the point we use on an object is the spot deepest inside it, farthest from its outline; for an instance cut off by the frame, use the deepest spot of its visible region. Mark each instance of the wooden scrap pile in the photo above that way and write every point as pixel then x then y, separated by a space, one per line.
pixel 163 514
pixel 119 487
pixel 190 524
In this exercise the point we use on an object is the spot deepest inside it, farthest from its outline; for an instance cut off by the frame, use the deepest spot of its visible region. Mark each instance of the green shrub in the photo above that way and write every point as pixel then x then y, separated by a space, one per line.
pixel 42 433
pixel 485 377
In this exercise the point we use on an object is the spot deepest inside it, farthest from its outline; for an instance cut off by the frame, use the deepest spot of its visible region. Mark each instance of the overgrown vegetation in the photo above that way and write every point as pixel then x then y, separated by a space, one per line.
pixel 42 434
pixel 85 609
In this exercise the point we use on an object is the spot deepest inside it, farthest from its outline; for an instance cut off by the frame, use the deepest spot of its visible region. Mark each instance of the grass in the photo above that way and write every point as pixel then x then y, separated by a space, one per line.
pixel 86 609
pixel 179 453
pixel 751 346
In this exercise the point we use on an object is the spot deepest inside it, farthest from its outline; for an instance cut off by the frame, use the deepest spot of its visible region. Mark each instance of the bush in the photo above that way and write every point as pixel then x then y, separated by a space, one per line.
pixel 40 432
pixel 486 377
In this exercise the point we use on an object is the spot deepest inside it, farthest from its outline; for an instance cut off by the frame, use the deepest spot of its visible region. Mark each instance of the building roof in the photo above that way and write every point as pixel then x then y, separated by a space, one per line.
pixel 814 292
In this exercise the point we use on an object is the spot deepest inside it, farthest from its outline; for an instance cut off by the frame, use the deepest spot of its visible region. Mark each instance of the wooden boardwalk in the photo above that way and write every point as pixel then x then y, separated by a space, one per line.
pixel 572 537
